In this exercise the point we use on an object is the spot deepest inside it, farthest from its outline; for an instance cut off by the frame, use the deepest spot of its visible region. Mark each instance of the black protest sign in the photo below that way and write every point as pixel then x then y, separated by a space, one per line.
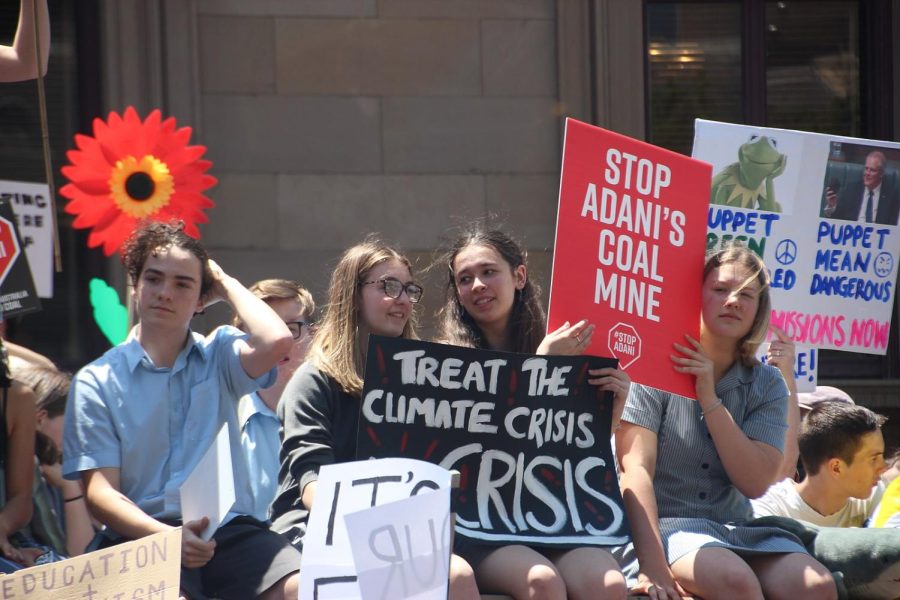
pixel 17 292
pixel 528 434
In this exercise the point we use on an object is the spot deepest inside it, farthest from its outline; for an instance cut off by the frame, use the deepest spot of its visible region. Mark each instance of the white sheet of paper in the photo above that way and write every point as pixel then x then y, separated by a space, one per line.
pixel 209 489
pixel 350 487
pixel 401 550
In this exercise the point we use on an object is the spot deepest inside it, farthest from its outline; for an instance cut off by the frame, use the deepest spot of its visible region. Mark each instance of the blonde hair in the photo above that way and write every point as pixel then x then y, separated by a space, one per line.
pixel 736 254
pixel 271 290
pixel 335 349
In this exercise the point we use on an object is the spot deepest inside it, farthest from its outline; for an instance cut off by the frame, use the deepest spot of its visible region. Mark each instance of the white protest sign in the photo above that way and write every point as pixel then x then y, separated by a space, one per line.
pixel 806 364
pixel 402 549
pixel 31 205
pixel 209 489
pixel 146 568
pixel 327 571
pixel 792 197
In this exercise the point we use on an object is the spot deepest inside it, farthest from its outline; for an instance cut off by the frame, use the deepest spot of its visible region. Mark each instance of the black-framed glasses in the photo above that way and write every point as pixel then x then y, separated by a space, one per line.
pixel 394 287
pixel 296 328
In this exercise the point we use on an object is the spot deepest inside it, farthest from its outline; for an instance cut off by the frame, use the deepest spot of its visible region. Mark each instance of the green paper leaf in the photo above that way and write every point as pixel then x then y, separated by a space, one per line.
pixel 109 314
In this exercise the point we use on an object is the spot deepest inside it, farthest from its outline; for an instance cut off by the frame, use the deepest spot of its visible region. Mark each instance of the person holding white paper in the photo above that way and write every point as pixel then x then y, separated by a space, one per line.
pixel 689 467
pixel 141 416
pixel 372 291
pixel 490 302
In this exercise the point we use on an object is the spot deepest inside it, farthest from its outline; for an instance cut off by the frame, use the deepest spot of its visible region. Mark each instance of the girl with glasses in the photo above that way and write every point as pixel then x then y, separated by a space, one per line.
pixel 372 292
pixel 689 466
pixel 491 303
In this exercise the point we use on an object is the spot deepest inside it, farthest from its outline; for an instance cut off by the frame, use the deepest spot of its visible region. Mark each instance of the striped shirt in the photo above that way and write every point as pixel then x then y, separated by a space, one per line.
pixel 698 505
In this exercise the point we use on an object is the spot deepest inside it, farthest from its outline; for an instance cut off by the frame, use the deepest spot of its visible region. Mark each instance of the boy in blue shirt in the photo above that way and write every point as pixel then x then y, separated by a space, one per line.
pixel 257 415
pixel 142 415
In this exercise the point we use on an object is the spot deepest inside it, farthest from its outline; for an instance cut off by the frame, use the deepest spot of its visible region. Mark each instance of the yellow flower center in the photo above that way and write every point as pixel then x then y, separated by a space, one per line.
pixel 141 187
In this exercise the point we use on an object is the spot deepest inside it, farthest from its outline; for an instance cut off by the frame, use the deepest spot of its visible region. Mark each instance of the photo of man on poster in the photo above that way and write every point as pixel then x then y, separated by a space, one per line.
pixel 871 196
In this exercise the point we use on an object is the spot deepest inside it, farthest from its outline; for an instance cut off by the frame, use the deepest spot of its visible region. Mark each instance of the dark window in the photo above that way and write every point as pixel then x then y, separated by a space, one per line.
pixel 694 69
pixel 812 67
pixel 799 64
pixel 64 329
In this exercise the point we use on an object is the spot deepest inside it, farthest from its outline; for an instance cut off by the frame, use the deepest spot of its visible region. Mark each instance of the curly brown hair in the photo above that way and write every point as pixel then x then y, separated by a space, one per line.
pixel 151 236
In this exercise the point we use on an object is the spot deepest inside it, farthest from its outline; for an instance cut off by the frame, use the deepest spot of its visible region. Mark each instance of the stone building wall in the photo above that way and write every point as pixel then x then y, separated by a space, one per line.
pixel 327 120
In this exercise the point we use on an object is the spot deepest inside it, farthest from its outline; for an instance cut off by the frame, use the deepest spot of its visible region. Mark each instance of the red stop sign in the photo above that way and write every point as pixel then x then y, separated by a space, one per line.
pixel 625 344
pixel 9 248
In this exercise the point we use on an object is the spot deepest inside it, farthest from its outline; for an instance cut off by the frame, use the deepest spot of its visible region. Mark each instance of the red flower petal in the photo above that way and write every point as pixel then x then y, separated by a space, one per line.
pixel 94 162
pixel 98 216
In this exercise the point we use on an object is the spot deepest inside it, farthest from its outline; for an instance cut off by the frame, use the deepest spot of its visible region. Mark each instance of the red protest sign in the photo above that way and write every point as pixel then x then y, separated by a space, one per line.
pixel 9 248
pixel 630 244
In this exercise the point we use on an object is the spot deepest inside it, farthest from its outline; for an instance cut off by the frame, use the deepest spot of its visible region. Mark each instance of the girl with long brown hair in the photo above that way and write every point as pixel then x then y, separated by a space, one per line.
pixel 372 291
pixel 491 303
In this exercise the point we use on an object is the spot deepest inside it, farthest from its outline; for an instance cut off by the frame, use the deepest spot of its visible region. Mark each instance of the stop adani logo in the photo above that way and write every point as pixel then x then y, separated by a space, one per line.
pixel 624 343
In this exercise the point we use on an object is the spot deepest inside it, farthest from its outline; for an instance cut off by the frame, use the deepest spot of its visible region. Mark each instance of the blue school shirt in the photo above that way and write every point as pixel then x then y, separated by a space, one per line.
pixel 154 424
pixel 261 442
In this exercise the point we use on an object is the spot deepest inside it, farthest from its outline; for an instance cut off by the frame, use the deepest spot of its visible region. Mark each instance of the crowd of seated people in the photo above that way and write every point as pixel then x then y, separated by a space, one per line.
pixel 289 393
pixel 95 460
pixel 91 484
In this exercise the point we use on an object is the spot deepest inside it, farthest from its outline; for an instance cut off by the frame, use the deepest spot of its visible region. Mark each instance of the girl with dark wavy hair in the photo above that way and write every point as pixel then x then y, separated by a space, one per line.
pixel 490 302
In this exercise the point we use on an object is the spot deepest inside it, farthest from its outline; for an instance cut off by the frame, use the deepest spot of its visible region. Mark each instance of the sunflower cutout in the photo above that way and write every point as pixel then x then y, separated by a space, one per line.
pixel 133 170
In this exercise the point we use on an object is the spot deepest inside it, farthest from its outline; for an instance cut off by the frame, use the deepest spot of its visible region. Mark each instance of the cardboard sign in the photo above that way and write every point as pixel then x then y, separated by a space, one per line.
pixel 328 571
pixel 528 434
pixel 31 204
pixel 833 276
pixel 17 293
pixel 402 549
pixel 146 568
pixel 630 239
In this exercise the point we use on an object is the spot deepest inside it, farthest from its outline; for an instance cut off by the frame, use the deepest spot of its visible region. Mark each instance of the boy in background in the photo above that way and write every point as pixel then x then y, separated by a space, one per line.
pixel 260 437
